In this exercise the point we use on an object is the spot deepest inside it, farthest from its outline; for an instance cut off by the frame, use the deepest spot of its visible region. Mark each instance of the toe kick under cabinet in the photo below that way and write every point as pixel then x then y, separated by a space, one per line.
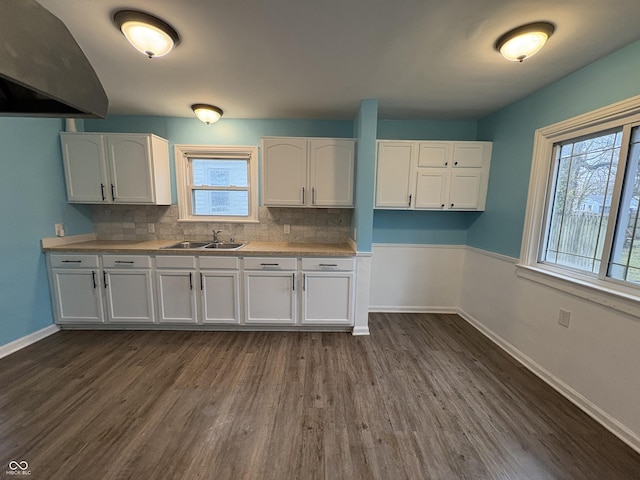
pixel 207 291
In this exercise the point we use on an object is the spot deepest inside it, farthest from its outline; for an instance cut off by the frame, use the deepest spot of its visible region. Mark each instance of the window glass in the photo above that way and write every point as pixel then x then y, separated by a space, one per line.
pixel 581 201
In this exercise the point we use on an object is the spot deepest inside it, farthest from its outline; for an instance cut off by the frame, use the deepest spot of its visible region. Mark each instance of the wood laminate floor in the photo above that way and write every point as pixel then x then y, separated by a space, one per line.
pixel 423 397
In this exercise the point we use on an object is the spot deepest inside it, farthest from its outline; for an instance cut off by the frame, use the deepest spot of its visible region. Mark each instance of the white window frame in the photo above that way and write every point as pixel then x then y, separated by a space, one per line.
pixel 605 291
pixel 182 153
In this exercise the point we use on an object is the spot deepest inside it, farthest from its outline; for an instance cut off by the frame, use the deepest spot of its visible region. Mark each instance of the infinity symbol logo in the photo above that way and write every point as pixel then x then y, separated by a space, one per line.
pixel 13 465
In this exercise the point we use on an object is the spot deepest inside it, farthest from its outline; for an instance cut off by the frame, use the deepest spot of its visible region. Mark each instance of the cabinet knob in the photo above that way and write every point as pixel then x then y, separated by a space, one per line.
pixel 452 204
pixel 446 163
pixel 455 163
pixel 442 205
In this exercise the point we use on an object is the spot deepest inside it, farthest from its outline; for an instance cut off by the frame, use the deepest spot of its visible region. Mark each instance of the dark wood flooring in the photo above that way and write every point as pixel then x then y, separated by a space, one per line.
pixel 423 397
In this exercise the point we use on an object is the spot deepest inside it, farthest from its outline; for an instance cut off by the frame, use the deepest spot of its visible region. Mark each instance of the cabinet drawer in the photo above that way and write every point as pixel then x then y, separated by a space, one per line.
pixel 126 261
pixel 327 264
pixel 270 263
pixel 175 261
pixel 225 263
pixel 71 261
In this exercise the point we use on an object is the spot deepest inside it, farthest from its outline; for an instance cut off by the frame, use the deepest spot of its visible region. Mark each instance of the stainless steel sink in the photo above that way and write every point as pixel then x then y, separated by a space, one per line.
pixel 225 246
pixel 187 244
pixel 195 245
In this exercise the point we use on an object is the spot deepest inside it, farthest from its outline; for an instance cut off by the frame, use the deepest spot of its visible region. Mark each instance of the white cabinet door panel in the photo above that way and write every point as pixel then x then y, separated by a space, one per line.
pixel 270 297
pixel 84 168
pixel 393 175
pixel 131 168
pixel 176 296
pixel 77 296
pixel 284 171
pixel 434 154
pixel 327 298
pixel 468 154
pixel 465 189
pixel 129 296
pixel 220 297
pixel 431 188
pixel 331 173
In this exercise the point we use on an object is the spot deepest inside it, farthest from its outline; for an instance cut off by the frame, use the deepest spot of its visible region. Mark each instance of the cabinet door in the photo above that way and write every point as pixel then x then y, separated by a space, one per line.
pixel 129 296
pixel 77 296
pixel 284 172
pixel 176 296
pixel 85 168
pixel 465 189
pixel 331 166
pixel 434 154
pixel 327 298
pixel 131 168
pixel 432 186
pixel 220 296
pixel 394 171
pixel 270 297
pixel 468 154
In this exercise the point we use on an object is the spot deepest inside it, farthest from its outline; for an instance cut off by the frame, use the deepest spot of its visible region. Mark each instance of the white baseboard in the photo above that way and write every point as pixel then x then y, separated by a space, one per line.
pixel 595 412
pixel 27 340
pixel 410 309
pixel 360 330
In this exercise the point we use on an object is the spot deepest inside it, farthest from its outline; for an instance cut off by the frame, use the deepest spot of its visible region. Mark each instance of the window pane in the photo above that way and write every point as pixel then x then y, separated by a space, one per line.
pixel 219 173
pixel 581 201
pixel 216 202
pixel 625 254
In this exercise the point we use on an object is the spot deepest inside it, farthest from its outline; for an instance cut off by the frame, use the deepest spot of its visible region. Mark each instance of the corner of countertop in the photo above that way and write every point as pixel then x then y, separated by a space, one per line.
pixel 61 241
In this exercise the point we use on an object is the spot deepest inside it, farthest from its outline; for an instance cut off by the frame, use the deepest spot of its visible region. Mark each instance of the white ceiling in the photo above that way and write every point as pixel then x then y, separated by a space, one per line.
pixel 431 59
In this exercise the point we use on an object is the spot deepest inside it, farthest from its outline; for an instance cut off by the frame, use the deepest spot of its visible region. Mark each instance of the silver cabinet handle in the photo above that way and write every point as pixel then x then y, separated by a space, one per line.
pixel 410 195
pixel 125 262
pixel 328 264
pixel 102 191
pixel 302 195
pixel 113 191
pixel 269 264
pixel 293 282
pixel 313 195
pixel 104 279
pixel 201 282
pixel 190 281
pixel 93 278
pixel 71 261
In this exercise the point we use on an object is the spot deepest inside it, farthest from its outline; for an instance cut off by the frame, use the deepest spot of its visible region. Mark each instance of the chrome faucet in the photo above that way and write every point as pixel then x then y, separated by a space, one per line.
pixel 215 235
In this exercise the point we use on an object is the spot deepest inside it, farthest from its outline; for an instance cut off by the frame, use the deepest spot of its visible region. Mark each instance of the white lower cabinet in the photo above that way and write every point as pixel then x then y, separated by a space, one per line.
pixel 220 290
pixel 327 291
pixel 176 289
pixel 270 291
pixel 128 288
pixel 202 290
pixel 76 290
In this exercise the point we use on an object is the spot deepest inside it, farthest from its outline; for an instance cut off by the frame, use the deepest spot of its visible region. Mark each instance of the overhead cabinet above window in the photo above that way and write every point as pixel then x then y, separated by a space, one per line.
pixel 116 168
pixel 430 175
pixel 307 172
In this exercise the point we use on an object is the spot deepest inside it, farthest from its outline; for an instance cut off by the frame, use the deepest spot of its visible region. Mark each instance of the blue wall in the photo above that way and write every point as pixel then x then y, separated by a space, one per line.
pixel 609 80
pixel 365 132
pixel 32 200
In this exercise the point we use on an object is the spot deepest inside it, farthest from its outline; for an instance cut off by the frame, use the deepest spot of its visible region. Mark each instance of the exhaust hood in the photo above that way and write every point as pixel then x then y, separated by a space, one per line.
pixel 43 71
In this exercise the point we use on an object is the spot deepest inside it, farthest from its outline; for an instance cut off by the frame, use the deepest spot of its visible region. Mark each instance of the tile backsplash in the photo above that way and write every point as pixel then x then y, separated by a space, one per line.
pixel 134 222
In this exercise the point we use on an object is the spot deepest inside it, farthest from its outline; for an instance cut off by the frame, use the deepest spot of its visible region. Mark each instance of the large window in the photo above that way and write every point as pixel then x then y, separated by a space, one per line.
pixel 582 213
pixel 217 183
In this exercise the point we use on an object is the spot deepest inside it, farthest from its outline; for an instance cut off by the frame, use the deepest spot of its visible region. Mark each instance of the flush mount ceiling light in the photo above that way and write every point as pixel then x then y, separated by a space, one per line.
pixel 148 34
pixel 207 113
pixel 525 41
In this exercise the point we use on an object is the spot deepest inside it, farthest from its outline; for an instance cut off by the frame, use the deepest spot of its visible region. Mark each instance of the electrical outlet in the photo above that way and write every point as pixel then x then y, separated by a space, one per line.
pixel 287 229
pixel 564 318
pixel 151 227
pixel 59 229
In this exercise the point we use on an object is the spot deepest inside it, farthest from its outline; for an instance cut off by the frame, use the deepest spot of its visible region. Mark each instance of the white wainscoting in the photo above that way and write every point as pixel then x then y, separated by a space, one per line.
pixel 416 278
pixel 594 362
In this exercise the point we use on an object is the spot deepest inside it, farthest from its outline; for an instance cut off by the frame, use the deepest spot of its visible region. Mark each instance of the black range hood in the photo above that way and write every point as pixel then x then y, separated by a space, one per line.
pixel 43 71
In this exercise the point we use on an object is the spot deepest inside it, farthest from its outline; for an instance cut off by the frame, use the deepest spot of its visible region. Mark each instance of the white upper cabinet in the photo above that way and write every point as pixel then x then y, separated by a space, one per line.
pixel 428 175
pixel 307 172
pixel 116 168
pixel 394 174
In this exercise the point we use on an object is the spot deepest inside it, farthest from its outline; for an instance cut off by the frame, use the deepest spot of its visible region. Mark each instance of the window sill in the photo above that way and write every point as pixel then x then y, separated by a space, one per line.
pixel 615 299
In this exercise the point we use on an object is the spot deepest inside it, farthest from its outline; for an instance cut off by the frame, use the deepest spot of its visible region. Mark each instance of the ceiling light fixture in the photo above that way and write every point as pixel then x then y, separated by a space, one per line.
pixel 207 113
pixel 525 41
pixel 148 34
